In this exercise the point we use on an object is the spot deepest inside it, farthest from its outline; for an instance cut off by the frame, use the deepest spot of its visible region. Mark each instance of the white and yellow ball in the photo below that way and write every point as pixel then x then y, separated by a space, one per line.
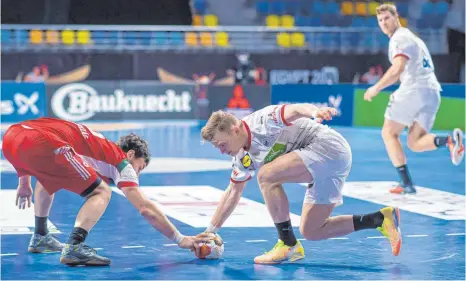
pixel 212 250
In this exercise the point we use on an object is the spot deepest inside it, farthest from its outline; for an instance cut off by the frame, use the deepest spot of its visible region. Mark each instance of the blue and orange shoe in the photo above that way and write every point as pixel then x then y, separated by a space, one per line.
pixel 403 189
pixel 391 228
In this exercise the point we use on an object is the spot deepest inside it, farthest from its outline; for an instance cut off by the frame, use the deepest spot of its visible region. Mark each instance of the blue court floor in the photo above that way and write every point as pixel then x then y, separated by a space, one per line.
pixel 186 179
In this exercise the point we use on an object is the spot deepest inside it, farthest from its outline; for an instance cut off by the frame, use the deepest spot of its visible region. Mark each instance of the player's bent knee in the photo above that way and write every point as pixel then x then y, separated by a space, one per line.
pixel 265 177
pixel 311 234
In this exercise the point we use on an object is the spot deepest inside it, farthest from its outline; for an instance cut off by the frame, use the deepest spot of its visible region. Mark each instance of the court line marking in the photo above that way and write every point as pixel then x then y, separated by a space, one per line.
pixel 375 237
pixel 9 254
pixel 132 247
pixel 255 241
pixel 455 234
pixel 417 235
pixel 442 258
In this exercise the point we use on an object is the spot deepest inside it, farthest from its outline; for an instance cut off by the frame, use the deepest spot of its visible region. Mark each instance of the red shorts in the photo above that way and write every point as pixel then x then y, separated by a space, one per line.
pixel 55 168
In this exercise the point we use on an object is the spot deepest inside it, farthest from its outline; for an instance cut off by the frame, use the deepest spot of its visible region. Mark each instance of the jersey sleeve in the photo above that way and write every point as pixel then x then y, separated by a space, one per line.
pixel 403 47
pixel 240 173
pixel 275 116
pixel 128 177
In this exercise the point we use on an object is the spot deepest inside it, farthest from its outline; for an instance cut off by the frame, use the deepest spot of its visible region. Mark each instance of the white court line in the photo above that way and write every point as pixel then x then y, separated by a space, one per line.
pixel 417 235
pixel 98 249
pixel 455 234
pixel 442 258
pixel 254 241
pixel 170 245
pixel 375 237
pixel 9 254
pixel 132 247
pixel 339 238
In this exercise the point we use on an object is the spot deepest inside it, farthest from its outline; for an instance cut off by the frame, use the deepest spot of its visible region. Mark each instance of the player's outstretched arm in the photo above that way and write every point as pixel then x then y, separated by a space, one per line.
pixel 228 203
pixel 307 110
pixel 389 78
pixel 159 220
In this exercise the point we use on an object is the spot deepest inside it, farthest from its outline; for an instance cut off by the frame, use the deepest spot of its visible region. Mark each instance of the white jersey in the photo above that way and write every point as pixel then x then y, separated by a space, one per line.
pixel 270 136
pixel 419 70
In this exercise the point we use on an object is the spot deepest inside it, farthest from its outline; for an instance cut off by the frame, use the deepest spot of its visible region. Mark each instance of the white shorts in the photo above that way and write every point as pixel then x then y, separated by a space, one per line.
pixel 407 106
pixel 328 158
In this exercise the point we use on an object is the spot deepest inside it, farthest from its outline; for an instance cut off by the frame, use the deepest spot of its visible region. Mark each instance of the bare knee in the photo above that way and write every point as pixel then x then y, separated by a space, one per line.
pixel 313 234
pixel 388 133
pixel 102 191
pixel 265 178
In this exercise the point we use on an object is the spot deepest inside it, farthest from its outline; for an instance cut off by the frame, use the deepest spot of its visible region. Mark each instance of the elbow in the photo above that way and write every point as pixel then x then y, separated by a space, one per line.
pixel 146 211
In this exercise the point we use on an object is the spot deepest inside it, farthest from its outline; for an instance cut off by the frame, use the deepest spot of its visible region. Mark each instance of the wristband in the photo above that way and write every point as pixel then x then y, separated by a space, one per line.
pixel 212 228
pixel 178 237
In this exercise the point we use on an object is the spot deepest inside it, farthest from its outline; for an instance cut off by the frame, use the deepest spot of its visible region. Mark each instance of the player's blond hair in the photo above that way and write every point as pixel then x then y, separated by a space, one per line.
pixel 386 7
pixel 219 121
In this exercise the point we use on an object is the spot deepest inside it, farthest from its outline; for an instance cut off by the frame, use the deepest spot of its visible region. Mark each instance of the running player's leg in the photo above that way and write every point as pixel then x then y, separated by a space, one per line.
pixel 419 138
pixel 400 113
pixel 80 178
pixel 42 240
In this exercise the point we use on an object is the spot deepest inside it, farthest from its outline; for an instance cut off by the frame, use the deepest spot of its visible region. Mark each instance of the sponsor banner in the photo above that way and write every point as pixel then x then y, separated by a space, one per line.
pixel 209 68
pixel 450 115
pixel 195 206
pixel 337 96
pixel 240 100
pixel 428 201
pixel 22 101
pixel 120 100
pixel 16 221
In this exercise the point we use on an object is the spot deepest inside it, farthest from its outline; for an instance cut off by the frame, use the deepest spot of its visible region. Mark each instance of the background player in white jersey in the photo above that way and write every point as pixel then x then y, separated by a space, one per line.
pixel 415 103
pixel 284 145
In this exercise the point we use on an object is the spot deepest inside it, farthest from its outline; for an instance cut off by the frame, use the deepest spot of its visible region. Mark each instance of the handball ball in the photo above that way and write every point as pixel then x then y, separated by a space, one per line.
pixel 213 249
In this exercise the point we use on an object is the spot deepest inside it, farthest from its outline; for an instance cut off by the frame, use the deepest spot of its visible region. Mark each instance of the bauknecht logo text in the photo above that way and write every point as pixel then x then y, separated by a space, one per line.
pixel 85 102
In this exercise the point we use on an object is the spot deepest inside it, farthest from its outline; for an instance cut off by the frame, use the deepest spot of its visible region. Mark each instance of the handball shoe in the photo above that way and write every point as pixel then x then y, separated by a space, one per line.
pixel 281 253
pixel 391 228
pixel 44 243
pixel 456 146
pixel 81 254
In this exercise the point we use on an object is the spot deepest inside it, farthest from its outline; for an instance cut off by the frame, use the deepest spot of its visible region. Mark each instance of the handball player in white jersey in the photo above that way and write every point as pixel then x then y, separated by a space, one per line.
pixel 283 144
pixel 415 103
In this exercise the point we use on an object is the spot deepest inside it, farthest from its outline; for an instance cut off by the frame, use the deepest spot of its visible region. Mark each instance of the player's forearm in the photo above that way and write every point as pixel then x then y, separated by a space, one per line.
pixel 389 78
pixel 227 205
pixel 296 111
pixel 24 181
pixel 150 212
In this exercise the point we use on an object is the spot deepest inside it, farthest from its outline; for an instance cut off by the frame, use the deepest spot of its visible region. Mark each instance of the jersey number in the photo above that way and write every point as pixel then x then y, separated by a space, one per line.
pixel 426 63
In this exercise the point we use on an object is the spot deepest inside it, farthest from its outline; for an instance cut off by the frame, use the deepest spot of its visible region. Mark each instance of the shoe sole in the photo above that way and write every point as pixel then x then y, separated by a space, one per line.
pixel 39 250
pixel 396 221
pixel 458 137
pixel 74 262
pixel 279 262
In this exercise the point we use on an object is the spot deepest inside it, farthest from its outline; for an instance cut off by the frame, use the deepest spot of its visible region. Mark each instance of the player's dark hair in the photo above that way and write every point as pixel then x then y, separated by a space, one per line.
pixel 136 143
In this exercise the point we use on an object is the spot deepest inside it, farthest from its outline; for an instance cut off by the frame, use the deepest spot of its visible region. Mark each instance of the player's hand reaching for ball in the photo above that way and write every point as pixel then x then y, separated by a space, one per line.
pixel 23 195
pixel 192 242
pixel 325 113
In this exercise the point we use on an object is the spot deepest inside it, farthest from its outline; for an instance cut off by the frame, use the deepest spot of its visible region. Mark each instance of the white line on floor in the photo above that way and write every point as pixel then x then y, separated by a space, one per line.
pixel 254 241
pixel 132 247
pixel 455 234
pixel 417 235
pixel 9 254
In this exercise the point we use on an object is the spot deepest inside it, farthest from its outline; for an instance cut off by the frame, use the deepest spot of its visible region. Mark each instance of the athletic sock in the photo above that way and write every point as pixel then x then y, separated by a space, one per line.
pixel 440 141
pixel 41 225
pixel 77 236
pixel 405 177
pixel 285 231
pixel 368 221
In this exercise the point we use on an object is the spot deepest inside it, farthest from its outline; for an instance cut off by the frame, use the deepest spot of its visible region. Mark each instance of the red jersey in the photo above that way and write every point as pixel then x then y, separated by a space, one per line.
pixel 106 157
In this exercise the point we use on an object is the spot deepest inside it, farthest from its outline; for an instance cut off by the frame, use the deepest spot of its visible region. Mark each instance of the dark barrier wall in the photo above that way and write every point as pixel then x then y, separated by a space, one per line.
pixel 214 69
pixel 120 100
